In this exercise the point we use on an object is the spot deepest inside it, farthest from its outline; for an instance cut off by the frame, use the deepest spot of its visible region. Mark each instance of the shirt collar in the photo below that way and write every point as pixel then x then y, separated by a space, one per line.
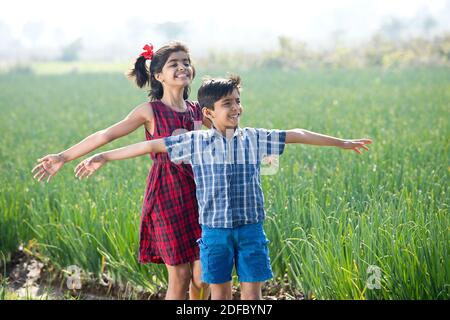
pixel 237 132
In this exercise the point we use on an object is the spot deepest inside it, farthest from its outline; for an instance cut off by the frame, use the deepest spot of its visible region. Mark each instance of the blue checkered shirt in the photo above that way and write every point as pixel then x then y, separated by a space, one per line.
pixel 227 172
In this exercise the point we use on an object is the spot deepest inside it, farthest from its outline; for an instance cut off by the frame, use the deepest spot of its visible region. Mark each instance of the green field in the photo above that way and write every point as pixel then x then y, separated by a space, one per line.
pixel 331 213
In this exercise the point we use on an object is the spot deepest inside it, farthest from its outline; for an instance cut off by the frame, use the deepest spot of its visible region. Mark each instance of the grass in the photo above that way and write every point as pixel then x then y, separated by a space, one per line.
pixel 332 214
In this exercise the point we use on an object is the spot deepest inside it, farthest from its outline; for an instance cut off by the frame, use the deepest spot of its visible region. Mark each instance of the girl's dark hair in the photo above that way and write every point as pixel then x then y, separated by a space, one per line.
pixel 214 89
pixel 144 75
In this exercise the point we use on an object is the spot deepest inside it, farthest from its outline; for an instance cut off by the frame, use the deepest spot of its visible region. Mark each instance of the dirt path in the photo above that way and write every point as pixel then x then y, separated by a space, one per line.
pixel 29 278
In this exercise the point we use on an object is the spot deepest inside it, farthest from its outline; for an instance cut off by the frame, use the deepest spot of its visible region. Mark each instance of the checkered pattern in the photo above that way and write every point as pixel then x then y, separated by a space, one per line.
pixel 227 172
pixel 169 224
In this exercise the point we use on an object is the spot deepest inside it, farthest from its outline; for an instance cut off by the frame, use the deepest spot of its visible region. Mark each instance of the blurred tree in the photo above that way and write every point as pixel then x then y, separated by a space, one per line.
pixel 71 52
pixel 393 28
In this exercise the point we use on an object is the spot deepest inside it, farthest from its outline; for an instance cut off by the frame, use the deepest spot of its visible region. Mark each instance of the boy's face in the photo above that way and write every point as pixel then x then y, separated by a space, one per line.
pixel 227 112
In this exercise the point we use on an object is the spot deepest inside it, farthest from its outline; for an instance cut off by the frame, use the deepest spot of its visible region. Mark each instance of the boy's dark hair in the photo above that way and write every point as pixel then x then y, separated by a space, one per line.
pixel 214 89
pixel 144 75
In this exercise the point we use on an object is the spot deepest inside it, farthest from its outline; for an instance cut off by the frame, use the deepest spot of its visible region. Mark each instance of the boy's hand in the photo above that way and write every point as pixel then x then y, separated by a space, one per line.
pixel 48 166
pixel 88 166
pixel 355 144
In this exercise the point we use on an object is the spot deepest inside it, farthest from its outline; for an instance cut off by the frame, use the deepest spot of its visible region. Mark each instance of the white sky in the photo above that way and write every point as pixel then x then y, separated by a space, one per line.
pixel 238 22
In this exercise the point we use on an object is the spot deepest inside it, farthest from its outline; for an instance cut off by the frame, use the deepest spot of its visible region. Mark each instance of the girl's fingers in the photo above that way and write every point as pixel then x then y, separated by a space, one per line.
pixel 38 173
pixel 37 167
pixel 49 178
pixel 43 159
pixel 41 177
pixel 357 150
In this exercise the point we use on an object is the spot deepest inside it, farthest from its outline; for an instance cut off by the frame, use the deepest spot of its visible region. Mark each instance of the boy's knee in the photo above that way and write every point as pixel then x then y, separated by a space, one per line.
pixel 251 296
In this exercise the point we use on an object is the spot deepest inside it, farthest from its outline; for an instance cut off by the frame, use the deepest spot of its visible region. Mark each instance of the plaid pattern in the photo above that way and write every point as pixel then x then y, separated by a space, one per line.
pixel 227 173
pixel 169 224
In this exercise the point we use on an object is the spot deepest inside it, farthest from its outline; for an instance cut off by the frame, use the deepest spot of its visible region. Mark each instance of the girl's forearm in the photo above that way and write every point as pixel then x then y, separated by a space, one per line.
pixel 313 138
pixel 90 143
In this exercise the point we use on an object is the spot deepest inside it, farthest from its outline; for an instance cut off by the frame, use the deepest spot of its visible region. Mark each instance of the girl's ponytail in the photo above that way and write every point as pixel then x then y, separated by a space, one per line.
pixel 140 72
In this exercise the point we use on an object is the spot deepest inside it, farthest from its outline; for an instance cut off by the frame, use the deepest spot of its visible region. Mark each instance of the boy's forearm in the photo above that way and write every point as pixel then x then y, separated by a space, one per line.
pixel 313 138
pixel 135 150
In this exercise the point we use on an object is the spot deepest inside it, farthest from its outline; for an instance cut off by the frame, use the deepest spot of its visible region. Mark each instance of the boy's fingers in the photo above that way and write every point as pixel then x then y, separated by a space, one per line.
pixel 78 173
pixel 357 150
pixel 84 175
pixel 80 169
pixel 80 165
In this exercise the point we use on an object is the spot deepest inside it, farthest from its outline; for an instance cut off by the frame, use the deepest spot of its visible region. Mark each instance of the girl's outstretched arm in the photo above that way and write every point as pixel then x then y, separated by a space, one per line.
pixel 313 138
pixel 87 167
pixel 50 164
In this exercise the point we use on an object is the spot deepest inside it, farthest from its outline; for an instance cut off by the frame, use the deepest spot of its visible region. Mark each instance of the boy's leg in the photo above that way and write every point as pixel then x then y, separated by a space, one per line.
pixel 179 278
pixel 217 260
pixel 251 290
pixel 252 260
pixel 198 290
pixel 221 291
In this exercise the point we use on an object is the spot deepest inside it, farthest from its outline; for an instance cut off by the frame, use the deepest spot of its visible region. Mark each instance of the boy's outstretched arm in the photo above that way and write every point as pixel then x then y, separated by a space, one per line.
pixel 317 139
pixel 88 166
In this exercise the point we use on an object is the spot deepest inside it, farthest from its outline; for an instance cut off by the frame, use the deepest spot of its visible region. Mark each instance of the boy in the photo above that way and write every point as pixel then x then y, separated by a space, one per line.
pixel 226 163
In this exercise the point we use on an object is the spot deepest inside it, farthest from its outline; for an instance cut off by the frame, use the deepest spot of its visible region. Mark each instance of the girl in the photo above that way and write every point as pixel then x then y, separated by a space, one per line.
pixel 169 224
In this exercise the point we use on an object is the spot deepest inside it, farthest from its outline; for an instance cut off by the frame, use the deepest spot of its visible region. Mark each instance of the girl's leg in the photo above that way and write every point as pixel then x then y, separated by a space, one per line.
pixel 179 278
pixel 251 290
pixel 221 291
pixel 198 290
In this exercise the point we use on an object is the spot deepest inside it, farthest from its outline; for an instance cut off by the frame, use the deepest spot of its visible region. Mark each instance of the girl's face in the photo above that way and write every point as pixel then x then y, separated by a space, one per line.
pixel 177 72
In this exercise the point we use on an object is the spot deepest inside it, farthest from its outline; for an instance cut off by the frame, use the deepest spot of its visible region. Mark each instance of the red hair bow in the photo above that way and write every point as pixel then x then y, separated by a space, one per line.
pixel 148 53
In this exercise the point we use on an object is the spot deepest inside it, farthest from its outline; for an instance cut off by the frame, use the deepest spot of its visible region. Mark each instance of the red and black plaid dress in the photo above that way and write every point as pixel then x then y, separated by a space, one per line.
pixel 169 224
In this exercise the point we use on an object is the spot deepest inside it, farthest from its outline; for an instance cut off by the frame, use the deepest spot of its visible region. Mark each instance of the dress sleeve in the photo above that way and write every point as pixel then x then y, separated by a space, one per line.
pixel 198 114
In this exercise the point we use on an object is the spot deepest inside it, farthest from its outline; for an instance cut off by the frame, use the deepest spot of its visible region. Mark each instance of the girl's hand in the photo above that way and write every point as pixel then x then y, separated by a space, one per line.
pixel 88 166
pixel 48 167
pixel 355 144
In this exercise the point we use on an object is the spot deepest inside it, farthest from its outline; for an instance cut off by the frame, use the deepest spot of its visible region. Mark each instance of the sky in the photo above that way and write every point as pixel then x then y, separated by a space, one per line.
pixel 232 24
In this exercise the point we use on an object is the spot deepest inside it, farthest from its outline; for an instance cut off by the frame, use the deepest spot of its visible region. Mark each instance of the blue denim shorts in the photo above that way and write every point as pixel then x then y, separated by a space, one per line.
pixel 244 247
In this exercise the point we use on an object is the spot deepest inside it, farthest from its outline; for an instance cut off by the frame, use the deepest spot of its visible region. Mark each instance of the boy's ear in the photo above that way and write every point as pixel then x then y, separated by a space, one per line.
pixel 208 113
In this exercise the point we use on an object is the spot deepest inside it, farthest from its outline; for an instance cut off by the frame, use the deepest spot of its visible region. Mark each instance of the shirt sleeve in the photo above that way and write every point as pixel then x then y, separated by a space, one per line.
pixel 270 142
pixel 179 147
